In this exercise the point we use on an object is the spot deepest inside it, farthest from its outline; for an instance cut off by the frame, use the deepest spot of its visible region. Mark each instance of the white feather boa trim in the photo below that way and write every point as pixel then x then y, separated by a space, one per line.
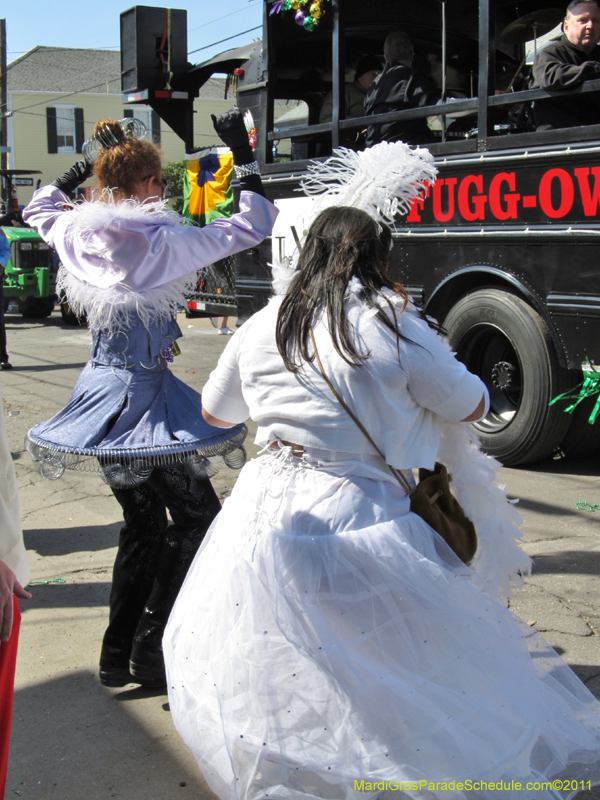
pixel 113 309
pixel 87 218
pixel 499 559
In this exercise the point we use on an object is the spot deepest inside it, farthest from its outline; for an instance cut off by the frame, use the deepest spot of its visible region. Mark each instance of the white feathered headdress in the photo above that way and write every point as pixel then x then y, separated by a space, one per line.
pixel 382 180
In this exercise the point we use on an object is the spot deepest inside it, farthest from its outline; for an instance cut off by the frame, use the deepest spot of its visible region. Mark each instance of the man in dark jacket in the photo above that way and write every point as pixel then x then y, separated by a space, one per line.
pixel 400 87
pixel 567 63
pixel 367 69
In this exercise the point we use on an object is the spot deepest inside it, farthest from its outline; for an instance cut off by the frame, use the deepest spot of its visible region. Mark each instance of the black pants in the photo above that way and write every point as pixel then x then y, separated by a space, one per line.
pixel 154 557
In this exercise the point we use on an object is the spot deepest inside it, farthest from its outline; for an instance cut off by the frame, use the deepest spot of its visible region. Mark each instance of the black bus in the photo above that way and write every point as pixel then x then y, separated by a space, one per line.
pixel 504 250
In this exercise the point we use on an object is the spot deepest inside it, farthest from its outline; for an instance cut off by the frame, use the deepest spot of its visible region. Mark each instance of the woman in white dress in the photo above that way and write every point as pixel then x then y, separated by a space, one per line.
pixel 327 643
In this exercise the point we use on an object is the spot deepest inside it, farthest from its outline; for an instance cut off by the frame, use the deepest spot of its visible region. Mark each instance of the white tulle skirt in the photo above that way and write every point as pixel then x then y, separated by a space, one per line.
pixel 328 644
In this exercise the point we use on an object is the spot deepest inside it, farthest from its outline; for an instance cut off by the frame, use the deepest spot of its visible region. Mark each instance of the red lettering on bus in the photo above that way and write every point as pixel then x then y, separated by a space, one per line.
pixel 478 201
pixel 511 200
pixel 589 199
pixel 413 214
pixel 437 199
pixel 567 193
pixel 529 201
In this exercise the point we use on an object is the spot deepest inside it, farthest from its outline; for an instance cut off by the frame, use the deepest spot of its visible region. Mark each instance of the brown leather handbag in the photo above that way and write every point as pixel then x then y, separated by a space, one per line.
pixel 432 499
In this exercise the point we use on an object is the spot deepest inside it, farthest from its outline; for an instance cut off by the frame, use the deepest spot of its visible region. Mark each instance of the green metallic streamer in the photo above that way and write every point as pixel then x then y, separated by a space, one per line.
pixel 589 387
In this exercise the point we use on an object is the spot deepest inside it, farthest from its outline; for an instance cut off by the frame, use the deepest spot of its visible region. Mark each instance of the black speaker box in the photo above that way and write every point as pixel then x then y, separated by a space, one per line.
pixel 147 36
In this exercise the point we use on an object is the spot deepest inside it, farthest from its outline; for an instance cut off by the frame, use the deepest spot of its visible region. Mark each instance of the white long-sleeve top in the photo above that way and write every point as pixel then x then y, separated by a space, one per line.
pixel 398 398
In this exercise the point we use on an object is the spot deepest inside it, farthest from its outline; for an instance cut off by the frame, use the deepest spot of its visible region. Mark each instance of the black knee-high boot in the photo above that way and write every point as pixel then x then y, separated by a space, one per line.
pixel 140 543
pixel 193 505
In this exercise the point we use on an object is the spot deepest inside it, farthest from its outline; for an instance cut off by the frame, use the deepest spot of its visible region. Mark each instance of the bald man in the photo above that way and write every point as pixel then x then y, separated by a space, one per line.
pixel 567 63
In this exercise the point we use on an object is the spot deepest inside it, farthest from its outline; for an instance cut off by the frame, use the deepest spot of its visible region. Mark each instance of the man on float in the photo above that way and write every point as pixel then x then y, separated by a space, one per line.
pixel 397 88
pixel 565 64
pixel 368 68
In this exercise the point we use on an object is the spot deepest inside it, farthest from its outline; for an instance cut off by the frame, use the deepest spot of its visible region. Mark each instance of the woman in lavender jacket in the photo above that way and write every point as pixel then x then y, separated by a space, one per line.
pixel 127 260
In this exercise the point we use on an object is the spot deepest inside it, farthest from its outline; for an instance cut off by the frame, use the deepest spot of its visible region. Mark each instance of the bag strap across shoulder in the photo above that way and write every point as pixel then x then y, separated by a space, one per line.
pixel 395 472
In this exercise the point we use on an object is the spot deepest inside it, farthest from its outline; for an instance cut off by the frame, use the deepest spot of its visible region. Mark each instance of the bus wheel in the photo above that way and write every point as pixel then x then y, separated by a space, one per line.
pixel 507 344
pixel 36 307
pixel 582 439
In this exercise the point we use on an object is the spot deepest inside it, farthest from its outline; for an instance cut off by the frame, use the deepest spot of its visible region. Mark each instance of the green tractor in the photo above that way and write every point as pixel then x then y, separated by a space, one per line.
pixel 29 275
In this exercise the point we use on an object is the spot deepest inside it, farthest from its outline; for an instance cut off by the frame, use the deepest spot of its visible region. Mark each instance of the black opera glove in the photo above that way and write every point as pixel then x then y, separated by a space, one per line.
pixel 78 173
pixel 232 132
pixel 252 183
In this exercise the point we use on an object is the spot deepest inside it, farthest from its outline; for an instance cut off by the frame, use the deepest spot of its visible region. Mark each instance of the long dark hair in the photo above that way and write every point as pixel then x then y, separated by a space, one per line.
pixel 342 243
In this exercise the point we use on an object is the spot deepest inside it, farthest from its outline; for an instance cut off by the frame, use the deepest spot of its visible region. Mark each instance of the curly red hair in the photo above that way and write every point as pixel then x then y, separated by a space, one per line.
pixel 123 166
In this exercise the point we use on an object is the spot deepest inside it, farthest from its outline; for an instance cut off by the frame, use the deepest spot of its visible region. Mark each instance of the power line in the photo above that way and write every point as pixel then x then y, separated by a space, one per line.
pixel 70 94
pixel 190 30
pixel 235 36
pixel 257 28
pixel 218 19
pixel 62 96
pixel 96 86
pixel 162 131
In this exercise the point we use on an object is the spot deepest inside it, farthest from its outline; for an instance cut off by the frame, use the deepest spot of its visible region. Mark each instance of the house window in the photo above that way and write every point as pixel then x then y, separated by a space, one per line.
pixel 65 129
pixel 143 114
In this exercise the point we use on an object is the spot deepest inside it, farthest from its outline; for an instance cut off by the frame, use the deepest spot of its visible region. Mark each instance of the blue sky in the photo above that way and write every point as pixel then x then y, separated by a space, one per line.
pixel 72 23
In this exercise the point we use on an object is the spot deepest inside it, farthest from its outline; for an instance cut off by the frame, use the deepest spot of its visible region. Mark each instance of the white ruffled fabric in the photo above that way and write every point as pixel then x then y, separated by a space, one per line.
pixel 325 636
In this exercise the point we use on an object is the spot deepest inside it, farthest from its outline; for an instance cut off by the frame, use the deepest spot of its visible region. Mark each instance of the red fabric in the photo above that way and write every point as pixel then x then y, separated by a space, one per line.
pixel 8 660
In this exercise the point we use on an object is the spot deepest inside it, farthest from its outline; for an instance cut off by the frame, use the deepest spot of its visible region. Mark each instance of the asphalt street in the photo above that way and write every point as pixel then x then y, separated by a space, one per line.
pixel 73 738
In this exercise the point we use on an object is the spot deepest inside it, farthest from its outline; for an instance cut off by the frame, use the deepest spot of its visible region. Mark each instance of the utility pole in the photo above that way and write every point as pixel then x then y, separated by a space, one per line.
pixel 3 108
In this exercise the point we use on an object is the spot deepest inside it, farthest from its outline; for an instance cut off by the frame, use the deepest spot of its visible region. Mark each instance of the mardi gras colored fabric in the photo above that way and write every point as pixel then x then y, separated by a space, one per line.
pixel 207 192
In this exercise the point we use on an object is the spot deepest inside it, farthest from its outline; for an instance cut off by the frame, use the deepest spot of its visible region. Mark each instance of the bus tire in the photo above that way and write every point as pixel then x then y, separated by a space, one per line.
pixel 36 307
pixel 500 338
